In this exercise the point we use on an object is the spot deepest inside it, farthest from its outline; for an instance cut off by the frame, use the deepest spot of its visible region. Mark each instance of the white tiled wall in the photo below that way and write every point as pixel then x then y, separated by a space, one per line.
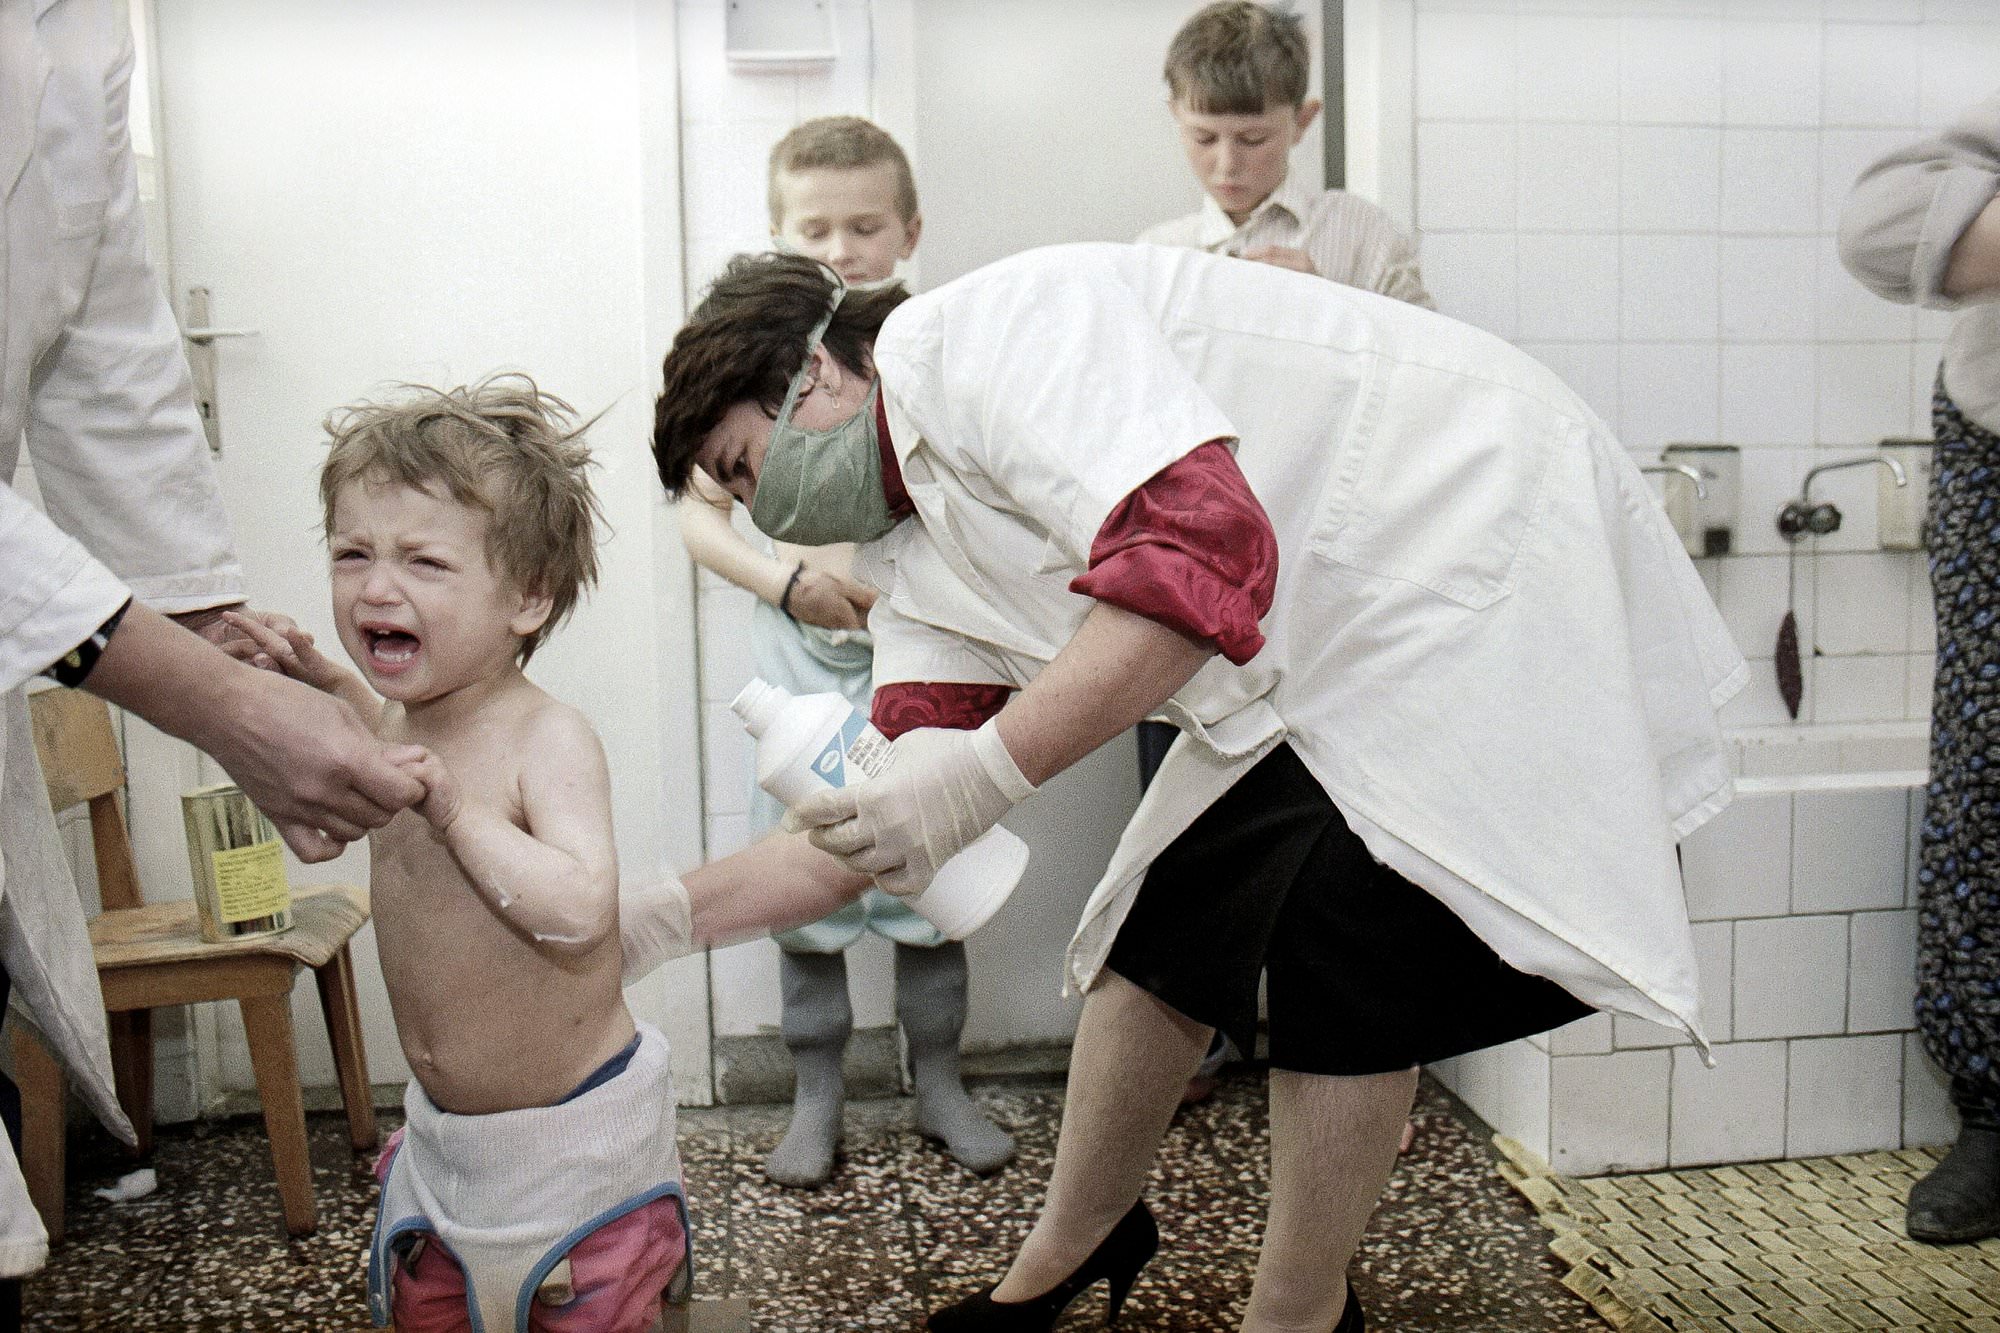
pixel 1609 1112
pixel 1644 194
pixel 1844 1095
pixel 1734 1112
pixel 1805 940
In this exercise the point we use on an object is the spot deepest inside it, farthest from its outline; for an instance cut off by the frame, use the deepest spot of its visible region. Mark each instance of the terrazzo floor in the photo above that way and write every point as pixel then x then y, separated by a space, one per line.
pixel 900 1230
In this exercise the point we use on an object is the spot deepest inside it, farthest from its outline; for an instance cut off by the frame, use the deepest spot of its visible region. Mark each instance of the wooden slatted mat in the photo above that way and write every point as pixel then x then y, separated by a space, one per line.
pixel 1794 1247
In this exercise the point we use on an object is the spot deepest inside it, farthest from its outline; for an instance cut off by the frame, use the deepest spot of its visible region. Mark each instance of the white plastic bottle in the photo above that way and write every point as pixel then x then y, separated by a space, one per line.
pixel 807 743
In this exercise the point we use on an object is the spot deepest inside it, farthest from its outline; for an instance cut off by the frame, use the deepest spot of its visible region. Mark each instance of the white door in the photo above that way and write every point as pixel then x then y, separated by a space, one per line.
pixel 430 190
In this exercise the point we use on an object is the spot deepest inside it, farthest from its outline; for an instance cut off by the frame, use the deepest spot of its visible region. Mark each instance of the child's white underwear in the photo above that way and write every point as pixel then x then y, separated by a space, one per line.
pixel 508 1194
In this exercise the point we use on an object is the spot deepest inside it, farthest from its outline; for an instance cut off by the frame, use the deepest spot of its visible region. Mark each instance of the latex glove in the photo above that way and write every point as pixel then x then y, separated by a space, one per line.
pixel 655 926
pixel 942 789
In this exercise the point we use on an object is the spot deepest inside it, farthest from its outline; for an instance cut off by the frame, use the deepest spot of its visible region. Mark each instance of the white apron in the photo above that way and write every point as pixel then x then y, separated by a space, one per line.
pixel 1487 644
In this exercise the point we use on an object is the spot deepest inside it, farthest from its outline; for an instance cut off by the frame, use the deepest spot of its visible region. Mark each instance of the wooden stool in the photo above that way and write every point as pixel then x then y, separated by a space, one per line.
pixel 152 954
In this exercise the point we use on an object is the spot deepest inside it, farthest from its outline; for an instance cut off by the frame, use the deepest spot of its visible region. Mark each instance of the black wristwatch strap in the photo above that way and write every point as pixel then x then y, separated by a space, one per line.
pixel 74 667
pixel 785 598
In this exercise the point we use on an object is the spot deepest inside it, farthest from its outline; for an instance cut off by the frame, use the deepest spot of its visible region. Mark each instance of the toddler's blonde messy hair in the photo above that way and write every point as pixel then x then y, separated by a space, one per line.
pixel 502 446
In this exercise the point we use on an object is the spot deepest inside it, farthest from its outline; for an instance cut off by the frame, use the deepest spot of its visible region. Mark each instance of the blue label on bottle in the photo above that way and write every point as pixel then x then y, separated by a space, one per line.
pixel 831 764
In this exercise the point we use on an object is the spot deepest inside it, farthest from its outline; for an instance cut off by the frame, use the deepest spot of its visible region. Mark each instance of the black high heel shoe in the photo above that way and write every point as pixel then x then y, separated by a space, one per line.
pixel 1117 1259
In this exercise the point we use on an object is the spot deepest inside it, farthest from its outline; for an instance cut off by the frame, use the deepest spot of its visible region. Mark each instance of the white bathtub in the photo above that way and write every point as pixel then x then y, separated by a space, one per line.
pixel 1801 895
pixel 1831 756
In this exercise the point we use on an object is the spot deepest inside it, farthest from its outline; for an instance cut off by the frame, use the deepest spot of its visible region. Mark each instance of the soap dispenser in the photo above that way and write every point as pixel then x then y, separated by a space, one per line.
pixel 1706 521
pixel 1900 510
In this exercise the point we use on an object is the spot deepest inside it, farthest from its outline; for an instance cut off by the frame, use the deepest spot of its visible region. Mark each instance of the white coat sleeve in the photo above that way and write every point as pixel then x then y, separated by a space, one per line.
pixel 55 594
pixel 1909 209
pixel 1058 384
pixel 909 652
pixel 118 448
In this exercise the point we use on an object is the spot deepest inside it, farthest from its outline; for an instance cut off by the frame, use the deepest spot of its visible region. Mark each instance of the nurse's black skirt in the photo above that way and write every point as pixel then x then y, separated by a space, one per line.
pixel 1366 972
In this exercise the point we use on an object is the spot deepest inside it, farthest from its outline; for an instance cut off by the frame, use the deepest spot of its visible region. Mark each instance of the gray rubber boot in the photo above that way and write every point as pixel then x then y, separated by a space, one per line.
pixel 930 1004
pixel 818 1020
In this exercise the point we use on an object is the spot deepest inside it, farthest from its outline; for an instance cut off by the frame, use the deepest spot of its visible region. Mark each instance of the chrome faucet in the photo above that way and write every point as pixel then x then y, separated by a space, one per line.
pixel 1801 516
pixel 1693 474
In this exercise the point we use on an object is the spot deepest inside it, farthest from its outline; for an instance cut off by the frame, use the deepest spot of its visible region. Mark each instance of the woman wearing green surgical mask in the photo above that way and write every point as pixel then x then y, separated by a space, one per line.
pixel 757 392
pixel 818 486
pixel 1446 684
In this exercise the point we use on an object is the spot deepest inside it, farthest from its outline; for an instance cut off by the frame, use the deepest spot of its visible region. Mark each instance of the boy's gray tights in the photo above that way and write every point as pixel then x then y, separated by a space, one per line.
pixel 818 1019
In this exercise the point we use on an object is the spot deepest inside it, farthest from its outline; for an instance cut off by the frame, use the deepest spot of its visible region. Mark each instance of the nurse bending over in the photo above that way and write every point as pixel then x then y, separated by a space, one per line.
pixel 1446 683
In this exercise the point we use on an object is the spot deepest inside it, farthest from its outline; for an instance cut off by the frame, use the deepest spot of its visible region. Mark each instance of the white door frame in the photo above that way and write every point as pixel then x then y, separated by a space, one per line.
pixel 1379 58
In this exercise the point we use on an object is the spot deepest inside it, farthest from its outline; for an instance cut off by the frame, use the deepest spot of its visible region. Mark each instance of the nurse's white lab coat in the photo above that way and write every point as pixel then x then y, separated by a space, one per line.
pixel 1487 643
pixel 91 370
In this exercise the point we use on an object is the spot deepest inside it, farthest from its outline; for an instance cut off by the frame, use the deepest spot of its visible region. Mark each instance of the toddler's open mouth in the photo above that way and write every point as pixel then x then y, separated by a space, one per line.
pixel 390 647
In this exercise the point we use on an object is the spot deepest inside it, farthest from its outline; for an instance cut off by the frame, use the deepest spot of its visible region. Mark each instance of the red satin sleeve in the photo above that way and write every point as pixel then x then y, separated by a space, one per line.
pixel 1192 549
pixel 910 704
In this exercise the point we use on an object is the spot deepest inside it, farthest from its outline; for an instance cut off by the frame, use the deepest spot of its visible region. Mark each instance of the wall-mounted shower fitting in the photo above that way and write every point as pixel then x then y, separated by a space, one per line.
pixel 1681 489
pixel 1900 512
pixel 1680 492
pixel 1680 469
pixel 1705 516
pixel 1801 517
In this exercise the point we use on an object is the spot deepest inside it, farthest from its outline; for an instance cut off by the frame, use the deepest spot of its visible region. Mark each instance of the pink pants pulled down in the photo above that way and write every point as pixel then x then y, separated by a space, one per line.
pixel 620 1274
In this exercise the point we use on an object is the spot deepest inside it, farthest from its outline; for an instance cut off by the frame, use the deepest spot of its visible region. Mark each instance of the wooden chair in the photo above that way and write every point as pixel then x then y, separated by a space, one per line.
pixel 152 954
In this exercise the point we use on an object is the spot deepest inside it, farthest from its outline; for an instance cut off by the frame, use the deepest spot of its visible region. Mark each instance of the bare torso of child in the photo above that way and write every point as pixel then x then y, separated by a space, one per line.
pixel 488 1021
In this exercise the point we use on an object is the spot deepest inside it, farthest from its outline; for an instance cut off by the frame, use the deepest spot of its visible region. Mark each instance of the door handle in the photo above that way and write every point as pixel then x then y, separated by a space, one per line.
pixel 203 337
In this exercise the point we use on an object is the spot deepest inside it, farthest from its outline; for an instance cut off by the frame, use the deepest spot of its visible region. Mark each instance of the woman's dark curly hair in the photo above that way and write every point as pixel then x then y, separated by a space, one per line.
pixel 744 343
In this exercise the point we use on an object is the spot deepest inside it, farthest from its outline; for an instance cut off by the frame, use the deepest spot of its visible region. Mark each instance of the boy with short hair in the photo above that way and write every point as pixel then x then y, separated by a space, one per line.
pixel 841 192
pixel 536 1177
pixel 1237 76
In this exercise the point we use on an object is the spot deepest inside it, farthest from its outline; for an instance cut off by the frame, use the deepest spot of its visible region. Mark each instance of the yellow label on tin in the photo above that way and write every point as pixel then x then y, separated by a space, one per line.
pixel 250 882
